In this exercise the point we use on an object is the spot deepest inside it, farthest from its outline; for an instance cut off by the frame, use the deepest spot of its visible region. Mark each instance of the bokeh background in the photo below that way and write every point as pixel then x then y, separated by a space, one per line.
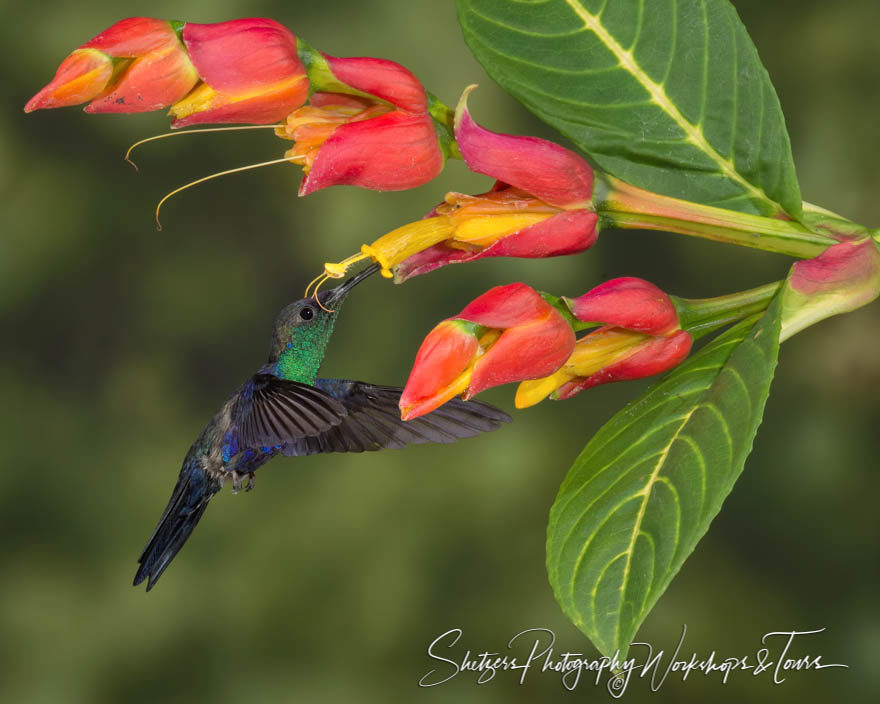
pixel 328 582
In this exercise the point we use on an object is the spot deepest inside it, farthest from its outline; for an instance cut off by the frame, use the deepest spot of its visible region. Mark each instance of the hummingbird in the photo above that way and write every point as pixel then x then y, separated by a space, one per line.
pixel 285 409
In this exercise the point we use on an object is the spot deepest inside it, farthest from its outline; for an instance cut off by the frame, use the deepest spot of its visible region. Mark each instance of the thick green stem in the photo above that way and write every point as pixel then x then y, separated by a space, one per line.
pixel 700 316
pixel 622 205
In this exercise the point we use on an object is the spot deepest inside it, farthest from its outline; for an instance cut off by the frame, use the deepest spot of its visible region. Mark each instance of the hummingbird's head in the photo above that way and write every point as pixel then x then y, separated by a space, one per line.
pixel 303 329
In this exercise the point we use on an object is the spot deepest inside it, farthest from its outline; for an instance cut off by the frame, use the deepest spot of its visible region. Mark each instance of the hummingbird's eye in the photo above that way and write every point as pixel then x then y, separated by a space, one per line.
pixel 307 313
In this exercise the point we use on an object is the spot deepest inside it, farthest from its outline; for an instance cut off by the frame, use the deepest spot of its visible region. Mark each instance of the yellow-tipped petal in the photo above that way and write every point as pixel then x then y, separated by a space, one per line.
pixel 591 354
pixel 528 393
pixel 599 349
pixel 457 387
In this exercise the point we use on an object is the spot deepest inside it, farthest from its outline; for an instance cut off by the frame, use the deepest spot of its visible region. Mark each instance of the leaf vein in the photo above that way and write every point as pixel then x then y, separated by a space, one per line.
pixel 658 93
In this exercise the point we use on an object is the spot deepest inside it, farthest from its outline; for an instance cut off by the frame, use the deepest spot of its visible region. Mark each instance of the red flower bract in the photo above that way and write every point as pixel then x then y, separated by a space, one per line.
pixel 627 302
pixel 510 333
pixel 250 70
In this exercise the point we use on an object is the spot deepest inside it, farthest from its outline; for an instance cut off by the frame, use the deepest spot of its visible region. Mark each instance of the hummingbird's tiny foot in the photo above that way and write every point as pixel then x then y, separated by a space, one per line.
pixel 237 481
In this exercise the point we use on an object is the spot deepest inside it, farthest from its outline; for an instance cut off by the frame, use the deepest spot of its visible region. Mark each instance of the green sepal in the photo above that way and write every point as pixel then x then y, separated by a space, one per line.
pixel 444 125
pixel 321 78
pixel 559 304
pixel 824 222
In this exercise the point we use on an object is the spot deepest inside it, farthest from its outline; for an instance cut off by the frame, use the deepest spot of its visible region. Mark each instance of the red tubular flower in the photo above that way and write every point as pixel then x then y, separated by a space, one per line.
pixel 370 127
pixel 137 65
pixel 510 333
pixel 368 124
pixel 250 73
pixel 532 176
pixel 540 206
pixel 640 337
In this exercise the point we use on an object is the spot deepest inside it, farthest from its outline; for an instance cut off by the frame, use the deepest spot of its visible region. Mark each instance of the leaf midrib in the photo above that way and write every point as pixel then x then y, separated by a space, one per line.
pixel 646 491
pixel 694 134
pixel 637 526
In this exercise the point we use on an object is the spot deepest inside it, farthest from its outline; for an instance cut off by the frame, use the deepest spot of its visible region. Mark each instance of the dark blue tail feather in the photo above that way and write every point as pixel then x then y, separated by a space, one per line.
pixel 188 502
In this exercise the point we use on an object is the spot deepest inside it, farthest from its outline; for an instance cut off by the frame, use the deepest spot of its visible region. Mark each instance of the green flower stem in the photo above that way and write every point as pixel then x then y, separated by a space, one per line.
pixel 700 316
pixel 621 205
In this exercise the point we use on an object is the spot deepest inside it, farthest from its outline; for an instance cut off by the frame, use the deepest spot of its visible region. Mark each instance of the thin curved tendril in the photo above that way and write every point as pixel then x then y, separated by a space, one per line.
pixel 181 132
pixel 320 279
pixel 321 276
pixel 332 270
pixel 210 177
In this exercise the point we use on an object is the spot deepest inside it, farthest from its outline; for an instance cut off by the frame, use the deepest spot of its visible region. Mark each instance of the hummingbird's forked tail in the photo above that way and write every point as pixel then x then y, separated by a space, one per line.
pixel 188 502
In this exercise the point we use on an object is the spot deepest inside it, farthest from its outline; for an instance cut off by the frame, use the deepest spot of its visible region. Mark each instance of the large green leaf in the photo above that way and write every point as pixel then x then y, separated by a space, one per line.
pixel 646 487
pixel 669 95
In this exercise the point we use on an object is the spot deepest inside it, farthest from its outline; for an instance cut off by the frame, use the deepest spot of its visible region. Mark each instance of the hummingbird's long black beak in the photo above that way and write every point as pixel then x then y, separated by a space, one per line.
pixel 333 297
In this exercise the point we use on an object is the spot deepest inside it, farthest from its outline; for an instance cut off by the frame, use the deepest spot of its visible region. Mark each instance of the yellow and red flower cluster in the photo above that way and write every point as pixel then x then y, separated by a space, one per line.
pixel 512 333
pixel 366 123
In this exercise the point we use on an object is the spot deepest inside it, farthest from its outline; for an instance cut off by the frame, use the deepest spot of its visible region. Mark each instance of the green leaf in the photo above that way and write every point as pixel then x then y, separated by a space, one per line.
pixel 669 95
pixel 646 487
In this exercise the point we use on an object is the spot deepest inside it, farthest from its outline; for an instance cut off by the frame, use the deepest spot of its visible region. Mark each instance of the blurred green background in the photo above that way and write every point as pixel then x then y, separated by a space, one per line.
pixel 328 582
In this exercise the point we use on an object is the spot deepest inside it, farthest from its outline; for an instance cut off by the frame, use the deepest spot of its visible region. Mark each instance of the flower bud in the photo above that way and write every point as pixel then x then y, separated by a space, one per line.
pixel 843 278
pixel 640 337
pixel 137 65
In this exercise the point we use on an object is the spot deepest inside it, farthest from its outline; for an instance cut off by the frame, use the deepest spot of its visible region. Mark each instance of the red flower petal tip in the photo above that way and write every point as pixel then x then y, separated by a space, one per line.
pixel 548 171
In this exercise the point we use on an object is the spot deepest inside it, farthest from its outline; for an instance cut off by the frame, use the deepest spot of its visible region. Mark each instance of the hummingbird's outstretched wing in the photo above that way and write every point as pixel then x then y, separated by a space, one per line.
pixel 272 411
pixel 373 422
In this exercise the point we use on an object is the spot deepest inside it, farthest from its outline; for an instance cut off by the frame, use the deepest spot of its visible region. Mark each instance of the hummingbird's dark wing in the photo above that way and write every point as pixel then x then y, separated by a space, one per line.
pixel 273 411
pixel 373 421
